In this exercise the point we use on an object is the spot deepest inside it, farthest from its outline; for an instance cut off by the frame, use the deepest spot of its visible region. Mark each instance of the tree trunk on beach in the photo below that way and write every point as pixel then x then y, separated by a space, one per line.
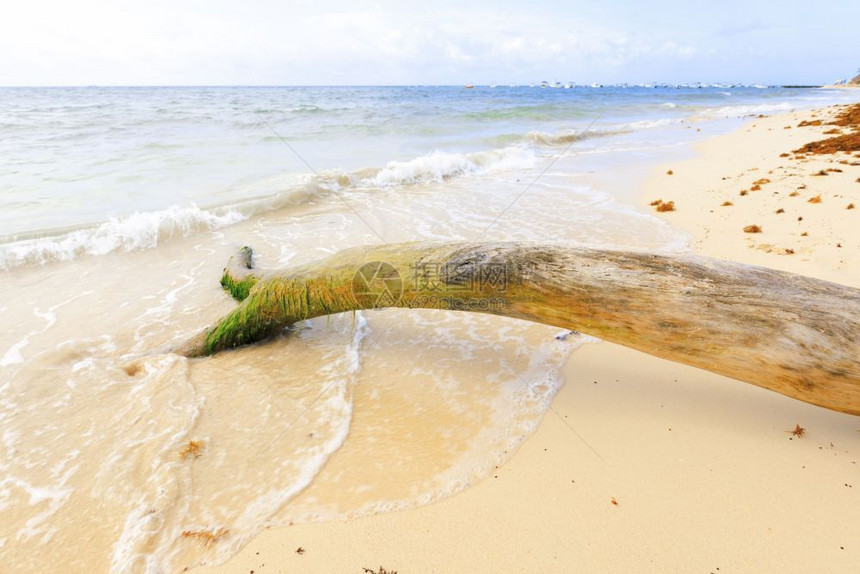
pixel 792 334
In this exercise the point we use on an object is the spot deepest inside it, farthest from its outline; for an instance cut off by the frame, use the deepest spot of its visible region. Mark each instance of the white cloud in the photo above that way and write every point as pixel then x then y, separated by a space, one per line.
pixel 304 42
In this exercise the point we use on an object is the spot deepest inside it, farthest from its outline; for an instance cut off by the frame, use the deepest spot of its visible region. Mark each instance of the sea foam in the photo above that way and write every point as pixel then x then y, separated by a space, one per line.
pixel 139 230
pixel 442 166
pixel 744 110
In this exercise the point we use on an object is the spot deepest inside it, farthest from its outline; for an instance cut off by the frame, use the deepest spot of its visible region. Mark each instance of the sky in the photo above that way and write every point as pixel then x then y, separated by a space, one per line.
pixel 386 42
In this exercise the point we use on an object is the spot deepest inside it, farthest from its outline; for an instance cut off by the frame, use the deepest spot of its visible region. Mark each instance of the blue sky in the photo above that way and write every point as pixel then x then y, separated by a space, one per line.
pixel 284 42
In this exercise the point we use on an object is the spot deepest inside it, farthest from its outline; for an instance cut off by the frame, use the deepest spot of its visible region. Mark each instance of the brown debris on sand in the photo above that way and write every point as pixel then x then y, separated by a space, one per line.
pixel 849 118
pixel 206 537
pixel 191 450
pixel 752 229
pixel 662 206
pixel 844 143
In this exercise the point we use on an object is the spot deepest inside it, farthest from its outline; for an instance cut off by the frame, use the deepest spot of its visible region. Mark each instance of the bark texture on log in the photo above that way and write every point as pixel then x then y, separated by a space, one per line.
pixel 795 335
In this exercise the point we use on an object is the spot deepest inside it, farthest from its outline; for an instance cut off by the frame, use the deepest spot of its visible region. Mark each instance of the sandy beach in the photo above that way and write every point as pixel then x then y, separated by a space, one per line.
pixel 390 288
pixel 642 464
pixel 806 204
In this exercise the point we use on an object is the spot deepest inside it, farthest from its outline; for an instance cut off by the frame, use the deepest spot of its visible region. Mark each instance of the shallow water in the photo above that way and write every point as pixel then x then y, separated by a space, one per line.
pixel 119 455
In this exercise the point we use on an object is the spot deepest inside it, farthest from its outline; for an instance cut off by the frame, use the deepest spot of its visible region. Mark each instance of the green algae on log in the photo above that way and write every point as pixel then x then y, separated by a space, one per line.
pixel 792 334
pixel 238 277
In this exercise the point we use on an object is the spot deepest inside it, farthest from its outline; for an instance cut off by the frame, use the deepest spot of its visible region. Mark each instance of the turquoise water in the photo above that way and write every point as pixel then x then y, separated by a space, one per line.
pixel 72 157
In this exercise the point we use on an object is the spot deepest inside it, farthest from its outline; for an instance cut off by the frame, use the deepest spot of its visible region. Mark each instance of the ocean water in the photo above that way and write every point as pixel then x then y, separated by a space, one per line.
pixel 119 208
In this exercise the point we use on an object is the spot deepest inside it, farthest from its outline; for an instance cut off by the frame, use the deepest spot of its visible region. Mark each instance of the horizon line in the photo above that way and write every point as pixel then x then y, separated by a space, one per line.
pixel 458 85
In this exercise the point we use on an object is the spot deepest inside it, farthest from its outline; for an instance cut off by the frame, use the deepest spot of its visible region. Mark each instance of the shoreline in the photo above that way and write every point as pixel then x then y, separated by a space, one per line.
pixel 642 464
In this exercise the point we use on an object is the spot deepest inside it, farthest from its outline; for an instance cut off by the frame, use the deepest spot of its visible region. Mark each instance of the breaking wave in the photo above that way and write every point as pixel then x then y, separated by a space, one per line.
pixel 566 137
pixel 742 111
pixel 139 230
pixel 146 230
pixel 442 166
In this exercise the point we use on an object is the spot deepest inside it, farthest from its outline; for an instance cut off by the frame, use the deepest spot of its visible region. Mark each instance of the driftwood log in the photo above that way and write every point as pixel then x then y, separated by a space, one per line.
pixel 791 334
